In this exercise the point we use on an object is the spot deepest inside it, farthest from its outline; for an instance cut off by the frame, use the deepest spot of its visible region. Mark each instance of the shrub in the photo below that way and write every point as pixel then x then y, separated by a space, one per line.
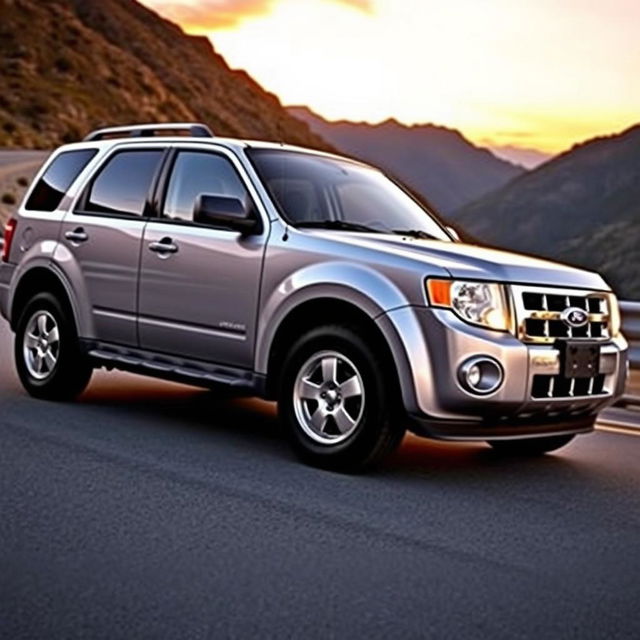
pixel 63 64
pixel 8 198
pixel 23 182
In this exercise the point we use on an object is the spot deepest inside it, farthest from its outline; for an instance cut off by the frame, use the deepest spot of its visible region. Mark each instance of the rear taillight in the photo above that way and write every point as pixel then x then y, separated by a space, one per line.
pixel 9 232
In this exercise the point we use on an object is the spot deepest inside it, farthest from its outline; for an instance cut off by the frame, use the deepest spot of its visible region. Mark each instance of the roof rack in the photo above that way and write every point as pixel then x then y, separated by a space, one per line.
pixel 195 129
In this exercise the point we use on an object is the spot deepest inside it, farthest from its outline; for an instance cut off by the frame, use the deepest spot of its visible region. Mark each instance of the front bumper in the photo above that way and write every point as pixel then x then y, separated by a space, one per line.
pixel 500 428
pixel 435 343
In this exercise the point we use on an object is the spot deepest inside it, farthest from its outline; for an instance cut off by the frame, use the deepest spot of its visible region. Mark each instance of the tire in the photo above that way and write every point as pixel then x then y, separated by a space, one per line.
pixel 330 424
pixel 49 362
pixel 530 446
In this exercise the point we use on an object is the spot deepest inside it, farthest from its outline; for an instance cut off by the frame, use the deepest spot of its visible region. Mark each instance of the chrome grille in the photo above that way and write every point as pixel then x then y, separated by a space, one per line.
pixel 539 314
pixel 545 386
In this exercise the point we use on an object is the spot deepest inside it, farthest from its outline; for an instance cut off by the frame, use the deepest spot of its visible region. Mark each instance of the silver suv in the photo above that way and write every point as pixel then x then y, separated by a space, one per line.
pixel 303 277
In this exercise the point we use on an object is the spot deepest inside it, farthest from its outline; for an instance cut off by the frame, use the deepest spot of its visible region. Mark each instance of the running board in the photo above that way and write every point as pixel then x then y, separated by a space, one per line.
pixel 169 367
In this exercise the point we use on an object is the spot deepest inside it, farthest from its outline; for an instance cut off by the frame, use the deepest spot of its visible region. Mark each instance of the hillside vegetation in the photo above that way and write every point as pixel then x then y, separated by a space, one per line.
pixel 68 66
pixel 582 207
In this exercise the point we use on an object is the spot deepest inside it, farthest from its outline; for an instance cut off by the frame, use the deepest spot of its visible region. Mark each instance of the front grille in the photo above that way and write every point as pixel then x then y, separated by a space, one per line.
pixel 545 386
pixel 539 314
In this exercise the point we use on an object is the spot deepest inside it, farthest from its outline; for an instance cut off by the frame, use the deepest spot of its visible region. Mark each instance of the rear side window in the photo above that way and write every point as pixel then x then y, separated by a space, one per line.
pixel 122 186
pixel 58 177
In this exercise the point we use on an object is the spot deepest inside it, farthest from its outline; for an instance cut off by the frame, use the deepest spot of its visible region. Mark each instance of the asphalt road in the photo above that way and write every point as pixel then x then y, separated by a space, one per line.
pixel 153 510
pixel 14 164
pixel 10 157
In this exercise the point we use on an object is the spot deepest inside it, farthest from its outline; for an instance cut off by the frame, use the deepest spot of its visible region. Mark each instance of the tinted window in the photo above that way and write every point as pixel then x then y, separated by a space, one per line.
pixel 59 176
pixel 315 190
pixel 196 173
pixel 123 184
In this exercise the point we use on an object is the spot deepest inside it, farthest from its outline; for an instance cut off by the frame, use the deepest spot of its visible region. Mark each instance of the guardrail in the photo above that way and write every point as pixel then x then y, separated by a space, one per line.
pixel 631 329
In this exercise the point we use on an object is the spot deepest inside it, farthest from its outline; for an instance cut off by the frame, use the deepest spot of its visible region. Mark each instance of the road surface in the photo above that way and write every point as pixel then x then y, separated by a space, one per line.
pixel 14 166
pixel 10 157
pixel 153 510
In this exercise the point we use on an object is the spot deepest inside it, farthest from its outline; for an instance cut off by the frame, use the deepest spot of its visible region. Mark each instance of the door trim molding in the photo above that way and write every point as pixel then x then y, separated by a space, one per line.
pixel 221 332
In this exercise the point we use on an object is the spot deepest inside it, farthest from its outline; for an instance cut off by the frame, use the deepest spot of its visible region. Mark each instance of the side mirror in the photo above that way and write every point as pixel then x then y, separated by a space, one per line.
pixel 453 233
pixel 220 211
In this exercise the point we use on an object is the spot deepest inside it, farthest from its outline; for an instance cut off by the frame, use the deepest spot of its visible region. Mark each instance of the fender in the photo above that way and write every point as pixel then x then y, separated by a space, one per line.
pixel 58 261
pixel 38 256
pixel 357 284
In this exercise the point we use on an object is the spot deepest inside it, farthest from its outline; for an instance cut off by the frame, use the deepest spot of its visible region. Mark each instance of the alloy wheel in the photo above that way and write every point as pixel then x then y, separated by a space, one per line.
pixel 329 397
pixel 41 345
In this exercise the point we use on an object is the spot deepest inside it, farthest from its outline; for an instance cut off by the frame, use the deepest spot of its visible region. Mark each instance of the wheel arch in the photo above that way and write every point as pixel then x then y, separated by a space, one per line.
pixel 40 279
pixel 316 312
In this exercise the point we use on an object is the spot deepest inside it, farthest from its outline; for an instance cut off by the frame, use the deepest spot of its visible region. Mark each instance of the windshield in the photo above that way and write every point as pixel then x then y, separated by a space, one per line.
pixel 316 191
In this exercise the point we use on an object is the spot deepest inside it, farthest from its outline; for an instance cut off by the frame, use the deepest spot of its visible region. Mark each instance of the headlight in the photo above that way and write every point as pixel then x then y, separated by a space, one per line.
pixel 481 303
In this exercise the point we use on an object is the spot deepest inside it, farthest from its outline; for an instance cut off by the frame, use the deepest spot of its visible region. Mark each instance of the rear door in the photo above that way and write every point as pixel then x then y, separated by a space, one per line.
pixel 45 206
pixel 103 234
pixel 199 299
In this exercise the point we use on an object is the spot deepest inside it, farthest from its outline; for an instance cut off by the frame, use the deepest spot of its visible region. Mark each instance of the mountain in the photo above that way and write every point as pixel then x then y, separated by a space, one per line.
pixel 582 207
pixel 523 156
pixel 438 163
pixel 68 66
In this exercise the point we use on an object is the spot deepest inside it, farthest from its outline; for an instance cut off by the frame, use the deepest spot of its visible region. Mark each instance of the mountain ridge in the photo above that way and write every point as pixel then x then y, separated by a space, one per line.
pixel 68 66
pixel 436 161
pixel 582 207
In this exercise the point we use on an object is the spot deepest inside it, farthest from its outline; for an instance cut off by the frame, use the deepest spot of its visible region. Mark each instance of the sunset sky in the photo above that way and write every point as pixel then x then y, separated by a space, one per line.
pixel 542 74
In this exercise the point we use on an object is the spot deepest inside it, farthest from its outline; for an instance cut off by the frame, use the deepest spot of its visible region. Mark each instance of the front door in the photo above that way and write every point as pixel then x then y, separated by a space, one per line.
pixel 199 285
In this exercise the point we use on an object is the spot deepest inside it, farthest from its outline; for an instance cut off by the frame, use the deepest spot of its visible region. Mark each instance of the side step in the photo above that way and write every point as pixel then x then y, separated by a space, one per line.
pixel 168 367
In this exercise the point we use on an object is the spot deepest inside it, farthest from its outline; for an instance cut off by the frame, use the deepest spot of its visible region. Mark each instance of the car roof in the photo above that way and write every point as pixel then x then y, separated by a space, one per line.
pixel 233 144
pixel 199 133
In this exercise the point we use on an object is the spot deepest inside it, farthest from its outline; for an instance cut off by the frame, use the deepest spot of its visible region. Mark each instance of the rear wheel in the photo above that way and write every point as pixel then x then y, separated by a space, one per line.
pixel 336 403
pixel 530 446
pixel 48 358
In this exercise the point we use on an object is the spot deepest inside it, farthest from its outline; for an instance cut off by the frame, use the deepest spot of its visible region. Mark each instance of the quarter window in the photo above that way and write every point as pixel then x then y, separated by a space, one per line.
pixel 58 177
pixel 123 184
pixel 196 173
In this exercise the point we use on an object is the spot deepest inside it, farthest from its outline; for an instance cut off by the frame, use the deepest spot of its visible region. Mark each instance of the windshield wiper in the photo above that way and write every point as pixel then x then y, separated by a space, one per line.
pixel 414 233
pixel 340 225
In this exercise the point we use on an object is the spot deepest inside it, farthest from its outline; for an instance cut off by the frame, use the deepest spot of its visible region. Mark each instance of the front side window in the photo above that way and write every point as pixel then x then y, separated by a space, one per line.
pixel 122 186
pixel 313 190
pixel 196 173
pixel 58 177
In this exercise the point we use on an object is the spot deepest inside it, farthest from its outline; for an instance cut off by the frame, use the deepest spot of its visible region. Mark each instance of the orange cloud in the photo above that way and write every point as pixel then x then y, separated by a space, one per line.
pixel 363 5
pixel 209 15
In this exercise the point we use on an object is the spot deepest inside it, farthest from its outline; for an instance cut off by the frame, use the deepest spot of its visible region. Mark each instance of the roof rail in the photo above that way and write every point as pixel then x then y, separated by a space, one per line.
pixel 195 129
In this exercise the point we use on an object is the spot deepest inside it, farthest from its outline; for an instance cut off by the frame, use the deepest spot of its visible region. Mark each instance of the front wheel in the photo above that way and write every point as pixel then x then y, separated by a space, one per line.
pixel 336 401
pixel 46 351
pixel 530 446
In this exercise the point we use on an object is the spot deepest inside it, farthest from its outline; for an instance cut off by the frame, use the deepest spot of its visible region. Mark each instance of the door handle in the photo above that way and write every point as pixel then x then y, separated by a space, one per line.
pixel 77 235
pixel 165 245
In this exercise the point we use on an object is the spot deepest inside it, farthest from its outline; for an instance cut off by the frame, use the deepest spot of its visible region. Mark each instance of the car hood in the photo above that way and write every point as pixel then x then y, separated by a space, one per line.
pixel 473 262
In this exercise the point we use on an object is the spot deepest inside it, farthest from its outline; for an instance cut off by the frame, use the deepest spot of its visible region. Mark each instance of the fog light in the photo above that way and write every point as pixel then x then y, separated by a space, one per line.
pixel 473 376
pixel 480 375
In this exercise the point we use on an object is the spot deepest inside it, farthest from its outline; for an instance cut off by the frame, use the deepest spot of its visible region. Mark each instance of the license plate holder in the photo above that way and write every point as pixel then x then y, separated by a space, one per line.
pixel 579 359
